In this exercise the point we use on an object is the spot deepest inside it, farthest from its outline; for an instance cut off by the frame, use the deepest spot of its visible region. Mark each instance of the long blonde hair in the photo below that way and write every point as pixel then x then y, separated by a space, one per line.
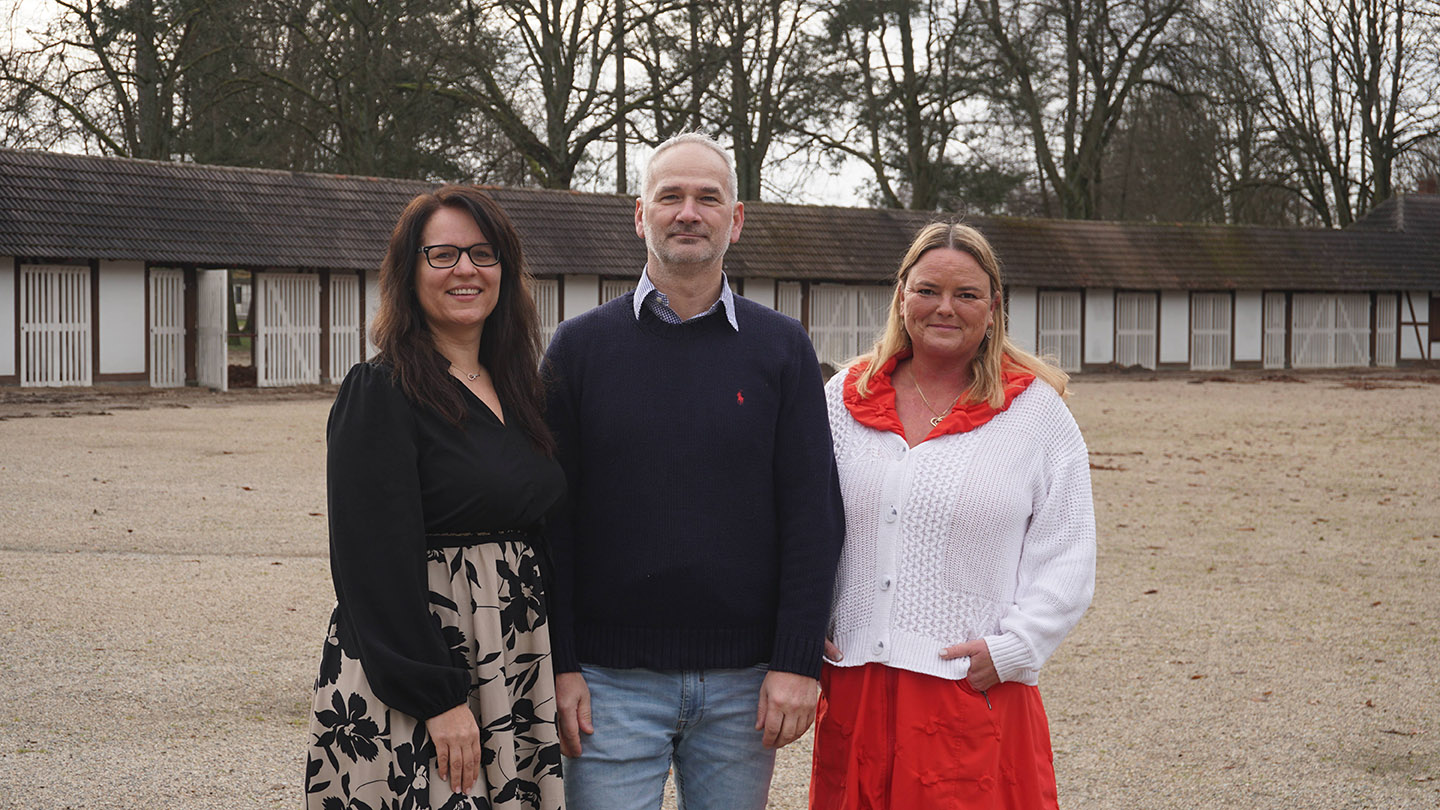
pixel 987 384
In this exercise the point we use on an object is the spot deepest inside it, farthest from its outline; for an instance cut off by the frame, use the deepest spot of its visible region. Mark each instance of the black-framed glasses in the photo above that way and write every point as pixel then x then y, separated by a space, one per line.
pixel 444 257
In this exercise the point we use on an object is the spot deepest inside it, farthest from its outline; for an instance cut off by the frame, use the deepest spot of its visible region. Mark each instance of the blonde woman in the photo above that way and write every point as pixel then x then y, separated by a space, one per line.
pixel 969 549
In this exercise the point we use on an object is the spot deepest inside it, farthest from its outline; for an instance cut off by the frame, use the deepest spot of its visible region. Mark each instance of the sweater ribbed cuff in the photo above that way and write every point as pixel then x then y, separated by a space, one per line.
pixel 562 653
pixel 1012 659
pixel 798 654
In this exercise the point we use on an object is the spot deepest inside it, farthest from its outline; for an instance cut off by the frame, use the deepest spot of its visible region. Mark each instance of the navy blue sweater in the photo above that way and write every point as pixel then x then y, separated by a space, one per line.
pixel 704 521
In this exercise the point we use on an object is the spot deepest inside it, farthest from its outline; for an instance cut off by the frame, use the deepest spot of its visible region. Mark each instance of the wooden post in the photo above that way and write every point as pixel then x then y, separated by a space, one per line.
pixel 324 370
pixel 94 321
pixel 192 324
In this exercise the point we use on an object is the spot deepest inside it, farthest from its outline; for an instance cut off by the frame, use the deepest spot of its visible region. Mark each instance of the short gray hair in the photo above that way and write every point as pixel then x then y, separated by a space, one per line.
pixel 698 138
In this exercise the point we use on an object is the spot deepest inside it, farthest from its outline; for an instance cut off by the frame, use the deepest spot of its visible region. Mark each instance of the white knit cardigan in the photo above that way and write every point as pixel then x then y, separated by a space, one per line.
pixel 984 534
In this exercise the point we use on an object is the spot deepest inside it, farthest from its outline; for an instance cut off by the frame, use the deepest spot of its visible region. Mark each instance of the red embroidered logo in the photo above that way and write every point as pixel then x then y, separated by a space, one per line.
pixel 740 397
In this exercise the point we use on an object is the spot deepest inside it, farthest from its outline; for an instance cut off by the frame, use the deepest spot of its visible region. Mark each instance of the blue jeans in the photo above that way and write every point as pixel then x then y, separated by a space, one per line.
pixel 702 721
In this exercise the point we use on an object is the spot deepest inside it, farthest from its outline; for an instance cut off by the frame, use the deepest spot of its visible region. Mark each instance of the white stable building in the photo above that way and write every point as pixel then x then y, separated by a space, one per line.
pixel 1099 295
pixel 116 270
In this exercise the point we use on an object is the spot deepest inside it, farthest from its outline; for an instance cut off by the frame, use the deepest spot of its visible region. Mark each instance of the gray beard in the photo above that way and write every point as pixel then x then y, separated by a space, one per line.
pixel 679 265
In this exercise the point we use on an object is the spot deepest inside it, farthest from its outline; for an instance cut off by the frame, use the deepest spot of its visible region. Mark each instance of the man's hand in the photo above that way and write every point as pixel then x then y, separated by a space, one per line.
pixel 572 697
pixel 982 673
pixel 787 707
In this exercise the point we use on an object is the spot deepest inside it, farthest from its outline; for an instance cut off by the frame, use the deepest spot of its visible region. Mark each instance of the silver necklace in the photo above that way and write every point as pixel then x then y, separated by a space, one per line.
pixel 476 375
pixel 939 415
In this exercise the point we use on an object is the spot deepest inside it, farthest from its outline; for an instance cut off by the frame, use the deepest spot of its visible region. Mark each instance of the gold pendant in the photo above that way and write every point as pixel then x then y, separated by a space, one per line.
pixel 936 420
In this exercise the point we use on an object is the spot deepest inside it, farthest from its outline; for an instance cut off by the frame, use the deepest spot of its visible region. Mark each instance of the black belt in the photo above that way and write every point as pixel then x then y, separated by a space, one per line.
pixel 467 539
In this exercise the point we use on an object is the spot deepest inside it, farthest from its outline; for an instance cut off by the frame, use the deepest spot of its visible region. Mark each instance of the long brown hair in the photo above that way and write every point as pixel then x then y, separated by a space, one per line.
pixel 509 342
pixel 987 383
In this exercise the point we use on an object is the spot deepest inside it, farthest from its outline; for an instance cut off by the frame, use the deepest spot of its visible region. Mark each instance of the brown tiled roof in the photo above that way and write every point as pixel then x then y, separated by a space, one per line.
pixel 70 206
pixel 1415 214
pixel 67 206
pixel 857 244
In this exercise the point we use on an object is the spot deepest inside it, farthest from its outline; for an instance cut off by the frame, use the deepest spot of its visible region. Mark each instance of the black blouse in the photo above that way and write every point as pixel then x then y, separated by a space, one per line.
pixel 397 471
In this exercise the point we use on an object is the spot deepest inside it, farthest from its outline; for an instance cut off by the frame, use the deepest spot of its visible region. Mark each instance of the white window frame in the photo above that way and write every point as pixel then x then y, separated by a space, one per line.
pixel 1058 320
pixel 287 348
pixel 612 288
pixel 167 327
pixel 1211 330
pixel 546 292
pixel 1329 330
pixel 1136 328
pixel 55 337
pixel 845 319
pixel 1387 328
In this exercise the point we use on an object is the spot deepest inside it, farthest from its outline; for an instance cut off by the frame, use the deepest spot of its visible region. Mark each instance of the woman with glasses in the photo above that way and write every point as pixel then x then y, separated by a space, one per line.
pixel 435 686
pixel 969 549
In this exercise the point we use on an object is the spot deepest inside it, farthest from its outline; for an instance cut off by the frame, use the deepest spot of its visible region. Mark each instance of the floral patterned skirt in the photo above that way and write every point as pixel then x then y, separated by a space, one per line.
pixel 364 754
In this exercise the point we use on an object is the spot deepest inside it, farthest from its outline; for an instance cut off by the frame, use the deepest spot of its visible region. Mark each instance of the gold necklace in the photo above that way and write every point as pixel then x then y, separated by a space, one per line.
pixel 939 416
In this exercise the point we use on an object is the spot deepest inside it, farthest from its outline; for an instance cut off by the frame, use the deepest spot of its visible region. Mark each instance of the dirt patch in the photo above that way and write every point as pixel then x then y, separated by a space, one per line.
pixel 1375 385
pixel 1262 633
pixel 22 403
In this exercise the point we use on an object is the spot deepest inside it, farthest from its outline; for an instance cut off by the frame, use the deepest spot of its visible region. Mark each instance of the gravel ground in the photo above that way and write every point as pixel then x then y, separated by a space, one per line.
pixel 1264 632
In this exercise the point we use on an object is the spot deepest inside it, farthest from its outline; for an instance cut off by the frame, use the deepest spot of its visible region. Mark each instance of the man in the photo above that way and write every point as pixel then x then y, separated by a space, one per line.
pixel 695 565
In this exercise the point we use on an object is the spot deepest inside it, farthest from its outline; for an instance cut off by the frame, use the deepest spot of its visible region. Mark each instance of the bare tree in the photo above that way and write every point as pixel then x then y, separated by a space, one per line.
pixel 678 43
pixel 1192 149
pixel 1308 116
pixel 1419 168
pixel 365 86
pixel 553 95
pixel 1162 163
pixel 1390 56
pixel 110 72
pixel 1068 70
pixel 28 119
pixel 1249 171
pixel 904 72
pixel 764 90
pixel 1349 88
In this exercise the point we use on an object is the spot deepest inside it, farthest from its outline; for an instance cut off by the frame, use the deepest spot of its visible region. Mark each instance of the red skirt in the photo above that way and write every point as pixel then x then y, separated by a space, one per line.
pixel 891 739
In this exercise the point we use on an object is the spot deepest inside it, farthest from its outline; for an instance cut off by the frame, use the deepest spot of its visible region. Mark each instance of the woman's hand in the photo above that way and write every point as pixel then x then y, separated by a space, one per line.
pixel 832 652
pixel 982 675
pixel 456 737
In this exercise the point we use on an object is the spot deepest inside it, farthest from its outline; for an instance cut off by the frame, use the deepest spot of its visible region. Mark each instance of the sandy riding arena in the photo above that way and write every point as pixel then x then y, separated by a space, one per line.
pixel 1265 633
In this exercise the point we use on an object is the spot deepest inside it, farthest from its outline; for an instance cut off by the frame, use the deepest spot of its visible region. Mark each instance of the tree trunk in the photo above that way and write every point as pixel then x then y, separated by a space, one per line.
pixel 621 181
pixel 151 111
